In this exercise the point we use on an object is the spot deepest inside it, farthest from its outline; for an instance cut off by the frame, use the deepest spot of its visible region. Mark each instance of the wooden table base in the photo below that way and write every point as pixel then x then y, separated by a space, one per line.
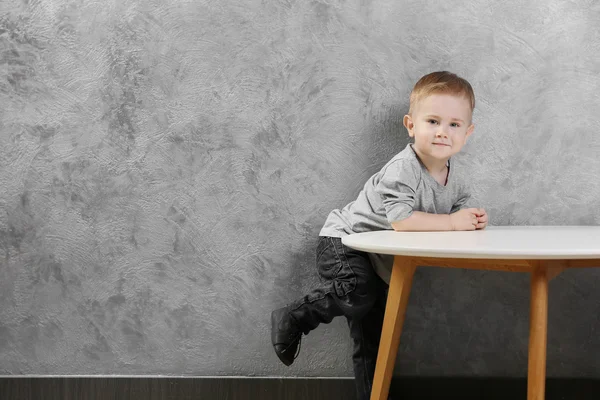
pixel 538 322
pixel 395 310
pixel 400 284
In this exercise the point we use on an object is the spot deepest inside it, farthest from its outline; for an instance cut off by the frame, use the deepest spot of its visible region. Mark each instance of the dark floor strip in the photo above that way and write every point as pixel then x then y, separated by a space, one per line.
pixel 166 388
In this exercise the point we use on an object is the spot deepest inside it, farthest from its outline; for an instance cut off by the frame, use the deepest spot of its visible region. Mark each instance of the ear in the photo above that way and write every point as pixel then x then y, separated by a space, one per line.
pixel 409 125
pixel 470 130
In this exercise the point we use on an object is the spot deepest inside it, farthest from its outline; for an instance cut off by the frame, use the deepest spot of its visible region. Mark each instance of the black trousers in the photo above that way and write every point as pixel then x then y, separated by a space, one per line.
pixel 351 288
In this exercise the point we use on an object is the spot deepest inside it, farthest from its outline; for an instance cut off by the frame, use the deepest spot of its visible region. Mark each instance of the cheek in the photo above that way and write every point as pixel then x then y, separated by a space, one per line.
pixel 426 129
pixel 459 138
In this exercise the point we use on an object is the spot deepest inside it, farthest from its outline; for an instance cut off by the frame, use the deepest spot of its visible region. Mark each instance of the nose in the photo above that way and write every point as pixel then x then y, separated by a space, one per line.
pixel 441 133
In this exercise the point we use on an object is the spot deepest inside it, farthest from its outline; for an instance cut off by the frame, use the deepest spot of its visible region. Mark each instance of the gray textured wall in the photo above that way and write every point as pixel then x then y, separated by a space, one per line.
pixel 165 167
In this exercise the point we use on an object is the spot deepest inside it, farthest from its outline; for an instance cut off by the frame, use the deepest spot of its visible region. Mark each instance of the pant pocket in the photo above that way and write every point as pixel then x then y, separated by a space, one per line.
pixel 344 280
pixel 328 262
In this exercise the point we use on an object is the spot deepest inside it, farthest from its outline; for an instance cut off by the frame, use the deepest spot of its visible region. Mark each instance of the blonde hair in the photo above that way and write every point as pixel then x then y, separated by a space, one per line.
pixel 441 82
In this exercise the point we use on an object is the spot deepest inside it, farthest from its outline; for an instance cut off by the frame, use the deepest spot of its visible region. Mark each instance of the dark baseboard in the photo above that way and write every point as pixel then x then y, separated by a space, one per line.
pixel 203 388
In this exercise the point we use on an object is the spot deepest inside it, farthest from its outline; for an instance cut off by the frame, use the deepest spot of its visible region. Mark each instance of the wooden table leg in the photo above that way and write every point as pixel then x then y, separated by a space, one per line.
pixel 538 323
pixel 395 309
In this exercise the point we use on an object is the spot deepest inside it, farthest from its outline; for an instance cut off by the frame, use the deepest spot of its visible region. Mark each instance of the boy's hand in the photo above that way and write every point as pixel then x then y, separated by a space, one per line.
pixel 467 219
pixel 482 219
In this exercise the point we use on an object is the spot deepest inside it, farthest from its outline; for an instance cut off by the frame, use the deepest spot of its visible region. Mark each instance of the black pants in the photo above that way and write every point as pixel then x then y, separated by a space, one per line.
pixel 349 287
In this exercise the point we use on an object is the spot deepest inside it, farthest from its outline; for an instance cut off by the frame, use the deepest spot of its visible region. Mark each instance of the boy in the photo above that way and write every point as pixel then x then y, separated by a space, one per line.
pixel 417 190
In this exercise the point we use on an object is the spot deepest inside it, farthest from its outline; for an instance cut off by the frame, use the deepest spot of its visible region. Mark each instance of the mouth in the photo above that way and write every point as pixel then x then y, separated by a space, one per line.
pixel 441 144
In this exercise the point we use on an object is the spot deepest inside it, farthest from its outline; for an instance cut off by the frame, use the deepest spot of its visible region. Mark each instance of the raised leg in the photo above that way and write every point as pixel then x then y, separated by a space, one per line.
pixel 538 323
pixel 395 309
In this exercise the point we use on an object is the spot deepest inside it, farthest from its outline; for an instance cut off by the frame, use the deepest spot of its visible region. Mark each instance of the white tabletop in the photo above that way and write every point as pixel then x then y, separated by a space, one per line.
pixel 494 242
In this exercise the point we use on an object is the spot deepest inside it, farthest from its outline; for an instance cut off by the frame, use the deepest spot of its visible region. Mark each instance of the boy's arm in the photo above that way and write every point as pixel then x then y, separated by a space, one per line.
pixel 422 221
pixel 397 188
pixel 467 219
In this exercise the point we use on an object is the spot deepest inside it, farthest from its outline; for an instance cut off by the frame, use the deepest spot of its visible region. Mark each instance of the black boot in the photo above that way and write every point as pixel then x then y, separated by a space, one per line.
pixel 285 335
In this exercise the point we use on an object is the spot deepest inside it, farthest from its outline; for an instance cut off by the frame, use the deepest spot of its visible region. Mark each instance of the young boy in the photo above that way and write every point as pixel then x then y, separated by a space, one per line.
pixel 417 190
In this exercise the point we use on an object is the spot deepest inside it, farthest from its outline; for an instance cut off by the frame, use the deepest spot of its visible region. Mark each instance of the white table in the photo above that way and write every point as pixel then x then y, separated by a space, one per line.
pixel 543 251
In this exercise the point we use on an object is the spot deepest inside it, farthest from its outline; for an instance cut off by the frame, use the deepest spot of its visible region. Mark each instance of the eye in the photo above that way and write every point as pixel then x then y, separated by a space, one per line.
pixel 455 125
pixel 432 121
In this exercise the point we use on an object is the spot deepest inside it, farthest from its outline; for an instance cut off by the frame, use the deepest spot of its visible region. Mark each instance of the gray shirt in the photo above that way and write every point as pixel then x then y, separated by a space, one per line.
pixel 402 186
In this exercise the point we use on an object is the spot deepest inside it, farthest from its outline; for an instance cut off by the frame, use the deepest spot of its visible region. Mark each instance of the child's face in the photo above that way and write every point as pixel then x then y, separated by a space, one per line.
pixel 440 125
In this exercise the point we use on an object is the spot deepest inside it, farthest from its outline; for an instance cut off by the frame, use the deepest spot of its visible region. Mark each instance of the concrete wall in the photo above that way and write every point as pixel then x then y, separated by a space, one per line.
pixel 165 168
